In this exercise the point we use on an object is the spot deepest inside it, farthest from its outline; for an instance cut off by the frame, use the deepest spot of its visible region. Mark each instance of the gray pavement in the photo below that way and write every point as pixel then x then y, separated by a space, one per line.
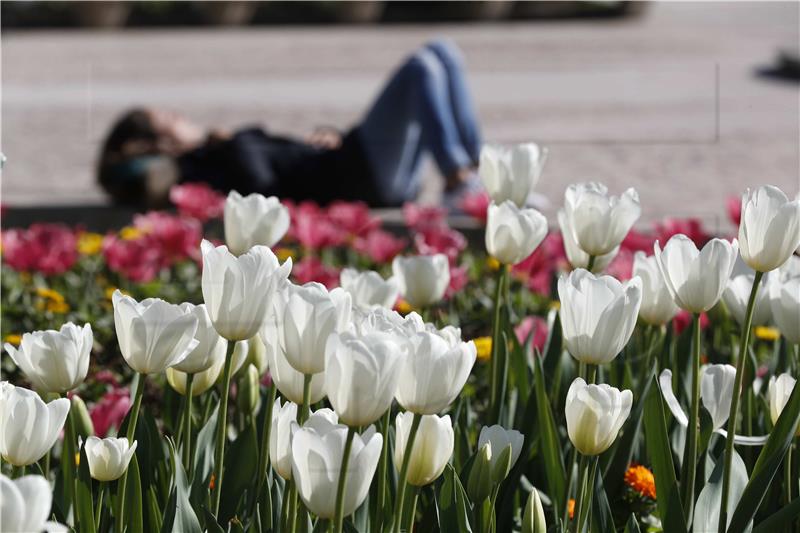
pixel 668 103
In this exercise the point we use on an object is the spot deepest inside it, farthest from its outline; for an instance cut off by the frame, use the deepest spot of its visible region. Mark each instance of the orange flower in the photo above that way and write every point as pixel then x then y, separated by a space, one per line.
pixel 211 483
pixel 641 479
pixel 571 508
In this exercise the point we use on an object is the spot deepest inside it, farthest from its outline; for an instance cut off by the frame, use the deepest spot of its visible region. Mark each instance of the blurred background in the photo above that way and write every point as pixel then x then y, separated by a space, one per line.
pixel 689 102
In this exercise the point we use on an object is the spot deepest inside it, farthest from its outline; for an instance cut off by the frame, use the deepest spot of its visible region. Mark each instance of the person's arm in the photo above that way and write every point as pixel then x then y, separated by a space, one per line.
pixel 325 137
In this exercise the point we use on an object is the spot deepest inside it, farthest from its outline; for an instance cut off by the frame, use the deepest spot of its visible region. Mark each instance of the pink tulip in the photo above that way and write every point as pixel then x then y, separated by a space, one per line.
pixel 734 207
pixel 419 217
pixel 538 269
pixel 379 245
pixel 138 260
pixel 312 228
pixel 198 201
pixel 46 248
pixel 691 227
pixel 476 205
pixel 353 217
pixel 179 238
pixel 110 411
pixel 440 240
pixel 458 280
pixel 683 320
pixel 311 268
pixel 534 328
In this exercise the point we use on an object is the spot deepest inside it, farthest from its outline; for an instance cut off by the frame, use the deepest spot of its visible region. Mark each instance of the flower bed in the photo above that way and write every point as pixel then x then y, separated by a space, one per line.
pixel 587 387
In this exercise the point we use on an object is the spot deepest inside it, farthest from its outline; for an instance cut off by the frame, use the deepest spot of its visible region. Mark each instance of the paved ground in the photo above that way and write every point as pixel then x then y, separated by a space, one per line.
pixel 668 103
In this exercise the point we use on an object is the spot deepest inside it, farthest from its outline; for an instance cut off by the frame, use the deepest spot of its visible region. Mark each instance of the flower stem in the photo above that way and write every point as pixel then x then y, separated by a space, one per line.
pixel 788 479
pixel 98 511
pixel 263 458
pixel 567 494
pixel 589 493
pixel 69 444
pixel 383 466
pixel 580 494
pixel 737 390
pixel 187 426
pixel 690 451
pixel 222 426
pixel 590 265
pixel 132 421
pixel 342 486
pixel 402 480
pixel 305 409
pixel 496 387
pixel 413 511
pixel 17 472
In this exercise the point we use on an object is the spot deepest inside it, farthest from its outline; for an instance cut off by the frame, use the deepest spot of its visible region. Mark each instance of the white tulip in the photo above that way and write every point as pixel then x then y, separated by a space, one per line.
pixel 311 315
pixel 499 439
pixel 25 505
pixel 769 231
pixel 288 380
pixel 598 314
pixel 316 464
pixel 153 335
pixel 657 307
pixel 284 416
pixel 210 348
pixel 254 220
pixel 423 279
pixel 369 365
pixel 575 255
pixel 696 278
pixel 599 222
pixel 381 320
pixel 780 388
pixel 533 520
pixel 238 290
pixel 54 361
pixel 737 295
pixel 368 289
pixel 784 300
pixel 511 172
pixel 434 372
pixel 432 448
pixel 595 414
pixel 108 458
pixel 512 234
pixel 716 391
pixel 28 426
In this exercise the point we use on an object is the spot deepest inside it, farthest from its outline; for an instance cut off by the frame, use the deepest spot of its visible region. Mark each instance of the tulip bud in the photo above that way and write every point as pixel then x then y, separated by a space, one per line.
pixel 248 391
pixel 595 414
pixel 598 314
pixel 512 234
pixel 254 220
pixel 511 172
pixel 423 279
pixel 432 447
pixel 479 484
pixel 533 518
pixel 257 355
pixel 108 458
pixel 54 361
pixel 769 230
pixel 28 426
pixel 599 222
pixel 506 445
pixel 238 290
pixel 210 346
pixel 153 334
pixel 369 289
pixel 716 392
pixel 502 466
pixel 780 388
pixel 736 298
pixel 201 382
pixel 83 422
pixel 696 278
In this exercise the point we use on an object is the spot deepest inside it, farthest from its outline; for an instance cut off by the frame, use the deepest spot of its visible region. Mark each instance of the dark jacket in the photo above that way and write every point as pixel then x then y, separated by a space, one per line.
pixel 252 160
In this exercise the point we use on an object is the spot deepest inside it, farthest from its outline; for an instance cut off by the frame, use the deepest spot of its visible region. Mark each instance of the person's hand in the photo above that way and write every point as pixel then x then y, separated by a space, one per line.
pixel 325 137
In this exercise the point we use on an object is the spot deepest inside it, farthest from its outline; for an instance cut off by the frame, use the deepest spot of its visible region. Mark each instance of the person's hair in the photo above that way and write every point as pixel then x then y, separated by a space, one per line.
pixel 121 167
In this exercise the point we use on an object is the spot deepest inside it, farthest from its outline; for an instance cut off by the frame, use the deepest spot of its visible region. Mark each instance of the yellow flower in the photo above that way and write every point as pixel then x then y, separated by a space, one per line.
pixel 14 339
pixel 130 233
pixel 403 307
pixel 492 263
pixel 641 479
pixel 51 300
pixel 283 253
pixel 555 304
pixel 109 292
pixel 50 294
pixel 766 333
pixel 90 243
pixel 484 347
pixel 77 459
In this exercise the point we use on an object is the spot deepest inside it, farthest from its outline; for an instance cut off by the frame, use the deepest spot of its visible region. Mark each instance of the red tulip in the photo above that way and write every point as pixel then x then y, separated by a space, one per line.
pixel 45 248
pixel 197 200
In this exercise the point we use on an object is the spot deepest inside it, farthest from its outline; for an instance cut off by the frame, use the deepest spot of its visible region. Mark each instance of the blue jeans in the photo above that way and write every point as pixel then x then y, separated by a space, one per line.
pixel 424 108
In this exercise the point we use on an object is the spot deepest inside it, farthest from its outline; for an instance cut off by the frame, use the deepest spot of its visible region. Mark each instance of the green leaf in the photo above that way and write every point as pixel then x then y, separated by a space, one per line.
pixel 204 459
pixel 660 454
pixel 632 526
pixel 781 519
pixel 239 476
pixel 548 441
pixel 84 509
pixel 707 508
pixel 133 498
pixel 211 522
pixel 602 518
pixel 768 463
pixel 179 517
pixel 452 504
